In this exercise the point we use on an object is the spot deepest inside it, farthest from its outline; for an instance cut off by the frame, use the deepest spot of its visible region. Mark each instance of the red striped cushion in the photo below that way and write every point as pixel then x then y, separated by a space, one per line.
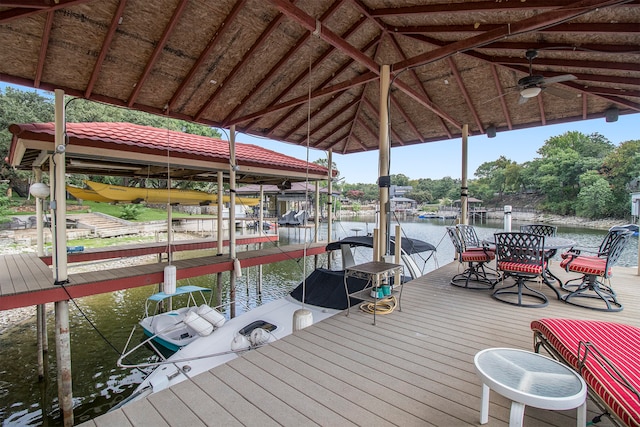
pixel 477 256
pixel 517 267
pixel 585 265
pixel 619 343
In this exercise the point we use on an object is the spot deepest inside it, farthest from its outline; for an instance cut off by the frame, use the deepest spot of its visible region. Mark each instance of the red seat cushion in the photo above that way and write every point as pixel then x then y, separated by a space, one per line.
pixel 516 267
pixel 477 256
pixel 617 342
pixel 585 265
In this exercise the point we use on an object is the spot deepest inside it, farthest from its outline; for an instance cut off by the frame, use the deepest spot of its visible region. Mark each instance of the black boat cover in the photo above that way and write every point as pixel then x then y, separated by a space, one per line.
pixel 325 288
pixel 410 246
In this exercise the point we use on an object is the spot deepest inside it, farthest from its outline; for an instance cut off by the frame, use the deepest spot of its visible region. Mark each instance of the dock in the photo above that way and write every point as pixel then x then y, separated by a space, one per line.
pixel 26 280
pixel 414 368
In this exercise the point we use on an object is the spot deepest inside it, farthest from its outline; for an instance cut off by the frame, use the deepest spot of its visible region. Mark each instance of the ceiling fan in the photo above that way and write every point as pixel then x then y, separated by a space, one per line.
pixel 531 85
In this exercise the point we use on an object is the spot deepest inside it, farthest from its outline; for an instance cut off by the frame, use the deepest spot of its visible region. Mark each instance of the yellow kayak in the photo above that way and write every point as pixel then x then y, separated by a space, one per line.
pixel 121 194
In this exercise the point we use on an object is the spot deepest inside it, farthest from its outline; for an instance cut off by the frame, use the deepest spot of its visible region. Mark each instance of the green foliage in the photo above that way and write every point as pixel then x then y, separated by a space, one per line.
pixel 595 198
pixel 131 212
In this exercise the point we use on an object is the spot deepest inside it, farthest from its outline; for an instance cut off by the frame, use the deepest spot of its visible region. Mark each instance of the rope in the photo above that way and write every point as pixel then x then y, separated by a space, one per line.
pixel 381 306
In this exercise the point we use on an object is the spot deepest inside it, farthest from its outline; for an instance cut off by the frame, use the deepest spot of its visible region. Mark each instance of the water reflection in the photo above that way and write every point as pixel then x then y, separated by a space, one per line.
pixel 98 384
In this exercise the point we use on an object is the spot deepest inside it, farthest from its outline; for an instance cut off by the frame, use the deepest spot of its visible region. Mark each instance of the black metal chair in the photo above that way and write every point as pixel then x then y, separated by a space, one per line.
pixel 470 238
pixel 521 256
pixel 601 252
pixel 541 229
pixel 475 275
pixel 592 290
pixel 547 231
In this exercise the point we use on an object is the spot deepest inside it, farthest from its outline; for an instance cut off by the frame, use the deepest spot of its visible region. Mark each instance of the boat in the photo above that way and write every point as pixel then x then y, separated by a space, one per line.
pixel 122 194
pixel 408 247
pixel 176 328
pixel 87 194
pixel 324 294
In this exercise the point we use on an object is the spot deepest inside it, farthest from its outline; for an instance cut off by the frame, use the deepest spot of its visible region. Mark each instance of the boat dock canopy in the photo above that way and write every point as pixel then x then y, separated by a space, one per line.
pixel 125 149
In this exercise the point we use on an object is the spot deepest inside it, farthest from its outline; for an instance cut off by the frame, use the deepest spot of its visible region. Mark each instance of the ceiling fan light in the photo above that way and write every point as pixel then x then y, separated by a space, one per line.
pixel 530 92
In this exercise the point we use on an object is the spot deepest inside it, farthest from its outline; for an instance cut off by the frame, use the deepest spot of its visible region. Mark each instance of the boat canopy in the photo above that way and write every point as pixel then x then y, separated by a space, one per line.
pixel 409 245
pixel 325 288
pixel 181 290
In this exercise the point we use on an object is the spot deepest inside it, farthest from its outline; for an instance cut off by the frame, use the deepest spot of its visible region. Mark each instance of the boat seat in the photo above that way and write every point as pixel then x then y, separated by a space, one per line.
pixel 347 256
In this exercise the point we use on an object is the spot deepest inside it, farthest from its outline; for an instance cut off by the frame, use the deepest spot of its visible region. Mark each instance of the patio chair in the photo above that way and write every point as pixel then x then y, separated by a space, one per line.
pixel 521 256
pixel 541 229
pixel 470 238
pixel 475 275
pixel 601 252
pixel 17 223
pixel 592 290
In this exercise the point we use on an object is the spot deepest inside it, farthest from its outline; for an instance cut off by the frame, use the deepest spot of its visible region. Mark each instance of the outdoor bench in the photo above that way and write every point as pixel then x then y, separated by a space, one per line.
pixel 605 354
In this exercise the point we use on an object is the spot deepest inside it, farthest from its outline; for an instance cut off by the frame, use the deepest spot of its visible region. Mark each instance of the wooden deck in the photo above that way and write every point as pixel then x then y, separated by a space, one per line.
pixel 140 249
pixel 25 280
pixel 414 368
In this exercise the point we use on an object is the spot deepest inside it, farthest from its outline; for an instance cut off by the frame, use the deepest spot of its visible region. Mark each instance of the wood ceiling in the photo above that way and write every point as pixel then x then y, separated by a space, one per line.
pixel 307 71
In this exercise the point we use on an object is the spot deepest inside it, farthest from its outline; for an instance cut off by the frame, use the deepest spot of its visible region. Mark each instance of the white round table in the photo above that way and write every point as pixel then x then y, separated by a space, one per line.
pixel 529 379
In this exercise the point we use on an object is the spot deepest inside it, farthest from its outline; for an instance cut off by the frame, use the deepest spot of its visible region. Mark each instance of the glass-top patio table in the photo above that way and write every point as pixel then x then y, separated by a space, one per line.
pixel 529 379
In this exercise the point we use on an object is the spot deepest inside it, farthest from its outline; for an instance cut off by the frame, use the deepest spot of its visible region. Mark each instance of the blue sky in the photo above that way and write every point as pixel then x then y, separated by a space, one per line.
pixel 439 159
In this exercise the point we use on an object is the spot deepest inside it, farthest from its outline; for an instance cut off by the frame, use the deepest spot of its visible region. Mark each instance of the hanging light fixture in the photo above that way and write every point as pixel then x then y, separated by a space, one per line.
pixel 530 92
pixel 40 190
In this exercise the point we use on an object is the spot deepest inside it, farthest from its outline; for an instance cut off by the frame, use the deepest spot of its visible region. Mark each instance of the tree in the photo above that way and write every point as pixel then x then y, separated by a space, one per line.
pixel 620 167
pixel 18 106
pixel 399 179
pixel 594 145
pixel 595 198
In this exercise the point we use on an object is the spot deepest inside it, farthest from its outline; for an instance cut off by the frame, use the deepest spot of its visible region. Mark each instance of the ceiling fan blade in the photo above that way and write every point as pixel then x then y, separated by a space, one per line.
pixel 558 79
pixel 565 94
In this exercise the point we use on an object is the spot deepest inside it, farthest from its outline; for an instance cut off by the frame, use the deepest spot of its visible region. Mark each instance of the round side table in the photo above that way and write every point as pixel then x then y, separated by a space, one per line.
pixel 529 379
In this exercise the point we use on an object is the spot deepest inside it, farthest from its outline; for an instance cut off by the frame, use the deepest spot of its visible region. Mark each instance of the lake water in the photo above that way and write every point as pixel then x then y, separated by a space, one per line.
pixel 98 383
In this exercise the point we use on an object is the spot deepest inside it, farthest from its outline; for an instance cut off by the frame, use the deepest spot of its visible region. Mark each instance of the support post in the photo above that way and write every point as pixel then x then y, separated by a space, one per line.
pixel 41 313
pixel 261 231
pixel 220 234
pixel 329 199
pixel 59 228
pixel 232 220
pixel 464 189
pixel 383 165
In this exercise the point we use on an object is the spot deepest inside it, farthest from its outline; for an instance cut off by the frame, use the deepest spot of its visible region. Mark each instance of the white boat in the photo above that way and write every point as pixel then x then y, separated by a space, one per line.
pixel 324 295
pixel 176 328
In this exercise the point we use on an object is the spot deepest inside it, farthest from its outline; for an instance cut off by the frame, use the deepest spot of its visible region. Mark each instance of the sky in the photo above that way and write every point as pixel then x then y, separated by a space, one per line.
pixel 437 160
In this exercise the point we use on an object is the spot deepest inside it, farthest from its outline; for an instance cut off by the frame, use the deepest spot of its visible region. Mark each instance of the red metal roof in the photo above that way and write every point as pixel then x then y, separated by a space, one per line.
pixel 133 138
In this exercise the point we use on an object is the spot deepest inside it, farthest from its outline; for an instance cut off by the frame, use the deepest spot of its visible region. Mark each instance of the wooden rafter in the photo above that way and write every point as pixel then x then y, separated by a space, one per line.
pixel 336 74
pixel 419 84
pixel 262 38
pixel 536 23
pixel 226 25
pixel 106 44
pixel 465 93
pixel 157 51
pixel 503 104
pixel 46 33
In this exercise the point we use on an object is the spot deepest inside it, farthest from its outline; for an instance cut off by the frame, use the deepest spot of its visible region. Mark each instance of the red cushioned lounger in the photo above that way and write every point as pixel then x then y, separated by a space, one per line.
pixel 606 354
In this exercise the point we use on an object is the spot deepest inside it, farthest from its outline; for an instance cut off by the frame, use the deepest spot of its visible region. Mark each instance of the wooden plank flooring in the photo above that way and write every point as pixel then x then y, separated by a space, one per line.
pixel 413 368
pixel 25 280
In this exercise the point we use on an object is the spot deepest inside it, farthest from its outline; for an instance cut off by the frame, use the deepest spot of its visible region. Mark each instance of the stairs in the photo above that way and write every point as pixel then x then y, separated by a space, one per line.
pixel 102 225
